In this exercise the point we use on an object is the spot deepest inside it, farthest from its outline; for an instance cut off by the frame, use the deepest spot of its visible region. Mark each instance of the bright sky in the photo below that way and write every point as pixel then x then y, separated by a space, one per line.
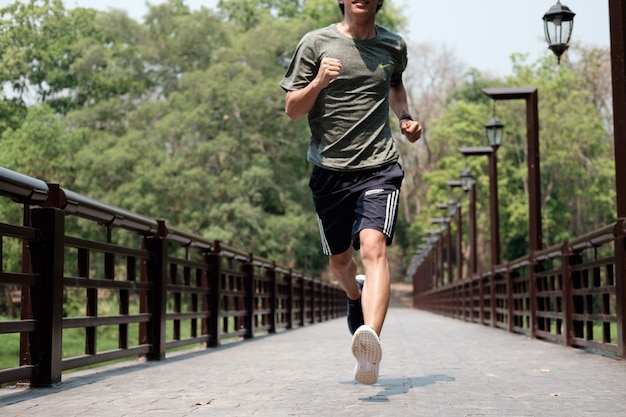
pixel 481 33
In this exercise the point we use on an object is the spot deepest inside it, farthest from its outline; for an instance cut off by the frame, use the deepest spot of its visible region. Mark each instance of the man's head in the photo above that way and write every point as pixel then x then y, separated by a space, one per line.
pixel 343 11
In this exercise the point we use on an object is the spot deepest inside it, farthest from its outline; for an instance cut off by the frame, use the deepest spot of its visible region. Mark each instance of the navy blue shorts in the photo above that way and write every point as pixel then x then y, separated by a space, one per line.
pixel 348 202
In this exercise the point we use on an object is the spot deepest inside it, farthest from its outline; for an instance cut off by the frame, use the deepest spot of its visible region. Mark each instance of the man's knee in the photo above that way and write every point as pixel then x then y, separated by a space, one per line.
pixel 341 261
pixel 373 243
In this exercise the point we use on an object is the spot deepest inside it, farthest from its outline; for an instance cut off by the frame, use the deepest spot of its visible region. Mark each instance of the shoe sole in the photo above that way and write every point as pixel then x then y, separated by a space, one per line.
pixel 368 352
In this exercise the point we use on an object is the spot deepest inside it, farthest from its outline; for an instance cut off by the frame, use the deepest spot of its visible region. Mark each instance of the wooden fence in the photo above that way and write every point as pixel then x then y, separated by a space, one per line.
pixel 150 286
pixel 572 294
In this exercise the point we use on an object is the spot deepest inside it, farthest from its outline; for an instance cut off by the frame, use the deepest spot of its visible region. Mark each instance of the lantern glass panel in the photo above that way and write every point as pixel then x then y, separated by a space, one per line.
pixel 466 180
pixel 495 131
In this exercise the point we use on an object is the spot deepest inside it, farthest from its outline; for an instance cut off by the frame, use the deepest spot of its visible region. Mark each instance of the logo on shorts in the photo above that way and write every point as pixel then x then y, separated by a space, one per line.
pixel 383 66
pixel 376 191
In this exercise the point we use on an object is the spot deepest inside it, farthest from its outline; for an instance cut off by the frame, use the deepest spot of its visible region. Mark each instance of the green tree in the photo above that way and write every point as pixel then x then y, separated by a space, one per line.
pixel 577 171
pixel 180 42
pixel 180 118
pixel 42 147
pixel 36 48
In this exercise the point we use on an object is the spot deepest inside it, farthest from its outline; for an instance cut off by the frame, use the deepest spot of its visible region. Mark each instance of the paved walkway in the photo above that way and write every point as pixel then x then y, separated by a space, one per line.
pixel 432 366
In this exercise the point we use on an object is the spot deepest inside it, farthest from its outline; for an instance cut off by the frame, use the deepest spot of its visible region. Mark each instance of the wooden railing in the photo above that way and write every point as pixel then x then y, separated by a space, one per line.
pixel 151 286
pixel 573 293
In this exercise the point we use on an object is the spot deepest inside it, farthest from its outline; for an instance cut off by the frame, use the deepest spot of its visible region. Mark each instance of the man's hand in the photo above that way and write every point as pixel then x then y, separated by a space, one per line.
pixel 411 129
pixel 300 102
pixel 329 70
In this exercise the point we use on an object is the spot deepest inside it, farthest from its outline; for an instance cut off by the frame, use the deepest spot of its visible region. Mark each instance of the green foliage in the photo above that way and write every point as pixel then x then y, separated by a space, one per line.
pixel 42 146
pixel 180 117
pixel 577 167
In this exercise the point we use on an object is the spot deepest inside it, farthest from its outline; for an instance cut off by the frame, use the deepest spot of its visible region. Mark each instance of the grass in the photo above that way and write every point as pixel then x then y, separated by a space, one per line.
pixel 9 350
pixel 74 342
pixel 597 331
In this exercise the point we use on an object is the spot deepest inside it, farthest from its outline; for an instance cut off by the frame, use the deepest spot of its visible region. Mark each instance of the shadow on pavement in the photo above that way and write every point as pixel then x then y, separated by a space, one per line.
pixel 398 386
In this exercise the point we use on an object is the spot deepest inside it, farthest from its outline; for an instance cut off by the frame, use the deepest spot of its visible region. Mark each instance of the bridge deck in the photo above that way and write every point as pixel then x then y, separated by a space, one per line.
pixel 432 366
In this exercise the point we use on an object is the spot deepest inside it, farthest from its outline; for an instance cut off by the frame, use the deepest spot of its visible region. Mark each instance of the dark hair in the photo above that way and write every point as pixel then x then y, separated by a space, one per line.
pixel 343 11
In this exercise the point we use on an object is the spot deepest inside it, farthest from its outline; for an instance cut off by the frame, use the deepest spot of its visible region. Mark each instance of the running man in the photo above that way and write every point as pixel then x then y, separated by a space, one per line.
pixel 346 77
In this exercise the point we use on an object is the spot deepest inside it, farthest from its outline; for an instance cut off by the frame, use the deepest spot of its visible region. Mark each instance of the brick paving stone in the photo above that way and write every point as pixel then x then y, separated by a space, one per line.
pixel 432 366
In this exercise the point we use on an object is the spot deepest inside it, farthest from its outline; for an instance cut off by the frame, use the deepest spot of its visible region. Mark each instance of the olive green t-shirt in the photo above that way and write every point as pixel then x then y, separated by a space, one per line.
pixel 349 121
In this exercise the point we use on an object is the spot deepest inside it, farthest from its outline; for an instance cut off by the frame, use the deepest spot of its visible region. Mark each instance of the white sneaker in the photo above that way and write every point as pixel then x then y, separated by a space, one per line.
pixel 368 352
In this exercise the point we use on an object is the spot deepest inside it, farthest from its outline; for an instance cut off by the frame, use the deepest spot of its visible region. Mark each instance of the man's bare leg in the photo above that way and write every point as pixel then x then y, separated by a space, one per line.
pixel 344 269
pixel 376 291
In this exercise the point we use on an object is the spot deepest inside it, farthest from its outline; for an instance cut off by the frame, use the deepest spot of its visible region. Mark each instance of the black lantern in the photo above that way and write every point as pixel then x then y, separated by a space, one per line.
pixel 466 180
pixel 495 131
pixel 558 23
pixel 452 204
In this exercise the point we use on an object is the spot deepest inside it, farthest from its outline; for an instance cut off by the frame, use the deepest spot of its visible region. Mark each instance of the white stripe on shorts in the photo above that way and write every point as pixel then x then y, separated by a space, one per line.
pixel 392 204
pixel 325 246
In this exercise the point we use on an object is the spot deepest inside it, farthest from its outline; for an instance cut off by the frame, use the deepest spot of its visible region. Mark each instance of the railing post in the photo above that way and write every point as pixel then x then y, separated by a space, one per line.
pixel 328 295
pixel 26 308
pixel 290 303
pixel 511 300
pixel 318 300
pixel 271 274
pixel 532 290
pixel 157 277
pixel 303 301
pixel 329 300
pixel 440 267
pixel 464 300
pixel 449 252
pixel 215 294
pixel 312 293
pixel 620 286
pixel 492 285
pixel 567 260
pixel 322 301
pixel 248 270
pixel 481 298
pixel 459 244
pixel 46 344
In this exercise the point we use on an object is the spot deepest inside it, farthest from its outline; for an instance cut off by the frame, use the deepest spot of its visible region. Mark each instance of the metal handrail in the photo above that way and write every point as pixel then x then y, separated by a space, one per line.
pixel 81 206
pixel 22 188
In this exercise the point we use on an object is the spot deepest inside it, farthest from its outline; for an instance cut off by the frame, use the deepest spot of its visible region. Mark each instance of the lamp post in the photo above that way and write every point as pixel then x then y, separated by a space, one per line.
pixel 445 225
pixel 530 95
pixel 493 195
pixel 459 232
pixel 469 186
pixel 454 212
pixel 494 130
pixel 454 209
pixel 558 23
pixel 438 234
pixel 617 25
pixel 458 216
pixel 434 240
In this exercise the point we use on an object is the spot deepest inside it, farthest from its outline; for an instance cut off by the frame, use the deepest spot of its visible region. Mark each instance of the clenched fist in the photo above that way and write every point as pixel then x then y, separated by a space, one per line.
pixel 329 70
pixel 411 129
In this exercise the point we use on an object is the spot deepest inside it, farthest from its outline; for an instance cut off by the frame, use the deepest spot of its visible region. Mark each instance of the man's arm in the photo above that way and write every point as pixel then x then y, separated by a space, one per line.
pixel 399 104
pixel 300 102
